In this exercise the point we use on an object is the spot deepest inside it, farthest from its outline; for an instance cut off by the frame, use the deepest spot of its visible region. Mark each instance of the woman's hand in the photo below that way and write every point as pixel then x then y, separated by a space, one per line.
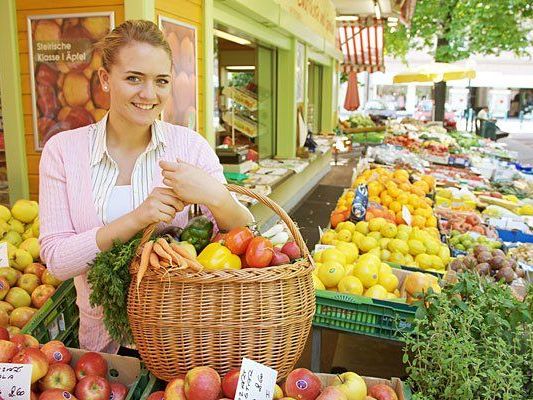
pixel 160 206
pixel 192 184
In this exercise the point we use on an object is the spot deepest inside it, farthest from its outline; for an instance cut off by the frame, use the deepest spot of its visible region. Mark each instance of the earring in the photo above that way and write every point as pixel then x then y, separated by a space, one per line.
pixel 106 88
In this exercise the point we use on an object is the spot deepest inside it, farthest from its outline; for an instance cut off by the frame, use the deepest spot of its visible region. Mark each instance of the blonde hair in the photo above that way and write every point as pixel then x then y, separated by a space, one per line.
pixel 130 31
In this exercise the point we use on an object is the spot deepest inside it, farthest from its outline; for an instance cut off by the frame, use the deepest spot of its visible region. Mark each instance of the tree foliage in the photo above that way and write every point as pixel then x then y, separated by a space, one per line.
pixel 455 29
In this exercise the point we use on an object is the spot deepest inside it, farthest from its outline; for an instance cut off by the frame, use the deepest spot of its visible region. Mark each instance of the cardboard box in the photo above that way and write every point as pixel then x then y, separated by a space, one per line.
pixel 121 369
pixel 394 383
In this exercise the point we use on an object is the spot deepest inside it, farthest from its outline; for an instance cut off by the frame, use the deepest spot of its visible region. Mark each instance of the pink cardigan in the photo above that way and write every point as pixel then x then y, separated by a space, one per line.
pixel 69 219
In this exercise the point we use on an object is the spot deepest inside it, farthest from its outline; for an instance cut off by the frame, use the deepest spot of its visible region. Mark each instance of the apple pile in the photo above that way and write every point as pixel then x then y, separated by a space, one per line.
pixel 204 383
pixel 53 378
pixel 22 293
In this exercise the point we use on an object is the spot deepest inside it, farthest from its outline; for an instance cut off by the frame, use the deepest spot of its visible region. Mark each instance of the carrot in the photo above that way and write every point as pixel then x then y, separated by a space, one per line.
pixel 154 261
pixel 158 249
pixel 164 244
pixel 145 255
pixel 182 252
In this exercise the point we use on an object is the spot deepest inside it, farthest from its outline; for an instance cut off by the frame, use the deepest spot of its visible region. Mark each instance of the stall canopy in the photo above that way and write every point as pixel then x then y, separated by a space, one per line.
pixel 361 42
pixel 435 72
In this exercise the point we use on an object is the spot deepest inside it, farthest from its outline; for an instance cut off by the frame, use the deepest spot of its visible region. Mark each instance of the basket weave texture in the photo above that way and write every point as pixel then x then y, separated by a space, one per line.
pixel 182 319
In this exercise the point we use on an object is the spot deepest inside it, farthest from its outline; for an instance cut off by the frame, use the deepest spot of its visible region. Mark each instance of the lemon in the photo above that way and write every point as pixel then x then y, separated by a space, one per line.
pixel 375 251
pixel 348 269
pixel 436 262
pixel 350 251
pixel 388 281
pixel 362 227
pixel 408 258
pixel 391 296
pixel 348 225
pixel 397 245
pixel 318 256
pixel 403 236
pixel 333 255
pixel 367 269
pixel 351 285
pixel 404 228
pixel 375 235
pixel 424 261
pixel 328 237
pixel 444 254
pixel 344 235
pixel 389 230
pixel 368 243
pixel 375 224
pixel 376 292
pixel 356 237
pixel 383 242
pixel 385 268
pixel 396 257
pixel 317 283
pixel 432 247
pixel 5 214
pixel 330 273
pixel 385 255
pixel 416 247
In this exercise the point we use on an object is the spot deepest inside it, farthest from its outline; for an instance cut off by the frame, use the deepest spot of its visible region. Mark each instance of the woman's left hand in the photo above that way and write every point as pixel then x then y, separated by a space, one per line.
pixel 192 184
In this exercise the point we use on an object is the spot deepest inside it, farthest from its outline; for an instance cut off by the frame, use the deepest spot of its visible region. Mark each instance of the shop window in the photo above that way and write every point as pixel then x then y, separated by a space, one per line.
pixel 314 97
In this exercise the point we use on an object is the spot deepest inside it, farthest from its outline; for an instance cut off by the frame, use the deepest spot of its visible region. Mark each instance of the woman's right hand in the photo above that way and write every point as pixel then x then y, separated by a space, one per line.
pixel 160 206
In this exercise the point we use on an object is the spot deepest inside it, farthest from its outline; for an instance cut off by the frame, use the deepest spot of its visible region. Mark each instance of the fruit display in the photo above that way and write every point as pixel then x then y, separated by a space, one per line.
pixel 204 383
pixel 522 253
pixel 487 261
pixel 357 121
pixel 465 242
pixel 56 375
pixel 462 222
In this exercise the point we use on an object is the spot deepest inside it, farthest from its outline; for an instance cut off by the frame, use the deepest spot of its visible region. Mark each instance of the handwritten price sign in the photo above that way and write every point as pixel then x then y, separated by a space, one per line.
pixel 15 381
pixel 256 381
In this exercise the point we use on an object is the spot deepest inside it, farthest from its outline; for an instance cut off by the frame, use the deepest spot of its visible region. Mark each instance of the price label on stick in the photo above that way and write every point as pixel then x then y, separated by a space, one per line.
pixel 406 215
pixel 4 256
pixel 256 381
pixel 15 381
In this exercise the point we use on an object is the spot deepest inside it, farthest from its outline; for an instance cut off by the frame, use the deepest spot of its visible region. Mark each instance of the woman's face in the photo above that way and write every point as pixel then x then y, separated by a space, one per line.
pixel 139 82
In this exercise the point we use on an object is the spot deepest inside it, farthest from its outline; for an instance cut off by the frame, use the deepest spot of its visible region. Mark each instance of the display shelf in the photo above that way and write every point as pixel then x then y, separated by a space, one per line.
pixel 241 96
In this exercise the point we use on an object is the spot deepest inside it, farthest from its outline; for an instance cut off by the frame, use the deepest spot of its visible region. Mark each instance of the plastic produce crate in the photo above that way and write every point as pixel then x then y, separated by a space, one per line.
pixel 514 236
pixel 357 314
pixel 58 318
pixel 145 386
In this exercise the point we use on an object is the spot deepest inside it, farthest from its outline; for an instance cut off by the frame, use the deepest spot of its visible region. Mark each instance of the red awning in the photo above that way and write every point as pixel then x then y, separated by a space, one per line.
pixel 361 42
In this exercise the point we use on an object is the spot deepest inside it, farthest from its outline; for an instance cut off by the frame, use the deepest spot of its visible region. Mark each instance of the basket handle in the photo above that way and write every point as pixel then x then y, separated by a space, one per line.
pixel 149 230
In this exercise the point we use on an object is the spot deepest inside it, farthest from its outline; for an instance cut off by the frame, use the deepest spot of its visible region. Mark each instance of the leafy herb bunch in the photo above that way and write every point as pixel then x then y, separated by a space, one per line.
pixel 109 279
pixel 472 341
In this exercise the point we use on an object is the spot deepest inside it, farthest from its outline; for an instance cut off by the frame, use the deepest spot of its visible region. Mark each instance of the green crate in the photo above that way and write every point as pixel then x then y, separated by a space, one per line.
pixel 357 314
pixel 153 385
pixel 137 388
pixel 58 318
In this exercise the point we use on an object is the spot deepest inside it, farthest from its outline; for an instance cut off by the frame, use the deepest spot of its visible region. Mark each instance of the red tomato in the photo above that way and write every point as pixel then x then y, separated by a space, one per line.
pixel 259 252
pixel 219 237
pixel 238 239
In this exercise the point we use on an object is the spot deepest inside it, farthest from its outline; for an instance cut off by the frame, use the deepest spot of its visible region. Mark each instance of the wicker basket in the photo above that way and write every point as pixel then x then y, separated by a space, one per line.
pixel 182 319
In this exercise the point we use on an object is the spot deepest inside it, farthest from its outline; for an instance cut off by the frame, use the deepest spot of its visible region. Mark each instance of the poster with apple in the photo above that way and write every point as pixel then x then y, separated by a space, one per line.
pixel 65 88
pixel 181 108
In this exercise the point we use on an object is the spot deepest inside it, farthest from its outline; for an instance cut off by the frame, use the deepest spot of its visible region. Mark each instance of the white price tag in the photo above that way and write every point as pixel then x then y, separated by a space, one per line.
pixel 320 247
pixel 4 256
pixel 406 215
pixel 15 381
pixel 256 381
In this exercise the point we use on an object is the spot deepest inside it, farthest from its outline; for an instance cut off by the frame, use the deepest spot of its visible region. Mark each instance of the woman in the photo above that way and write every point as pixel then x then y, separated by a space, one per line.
pixel 109 180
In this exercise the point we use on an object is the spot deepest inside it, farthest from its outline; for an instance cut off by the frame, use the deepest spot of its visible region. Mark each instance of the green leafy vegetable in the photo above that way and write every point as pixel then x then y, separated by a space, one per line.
pixel 109 279
pixel 474 341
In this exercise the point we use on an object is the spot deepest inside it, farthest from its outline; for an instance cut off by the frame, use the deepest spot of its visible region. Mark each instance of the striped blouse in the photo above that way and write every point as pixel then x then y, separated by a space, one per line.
pixel 104 170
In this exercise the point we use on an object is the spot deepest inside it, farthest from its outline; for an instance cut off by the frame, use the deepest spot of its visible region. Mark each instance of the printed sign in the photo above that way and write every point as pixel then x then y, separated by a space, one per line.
pixel 256 381
pixel 406 215
pixel 4 255
pixel 66 91
pixel 15 381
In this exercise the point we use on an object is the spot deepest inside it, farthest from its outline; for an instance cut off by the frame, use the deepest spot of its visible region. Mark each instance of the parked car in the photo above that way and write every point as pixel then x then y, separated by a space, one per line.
pixel 381 109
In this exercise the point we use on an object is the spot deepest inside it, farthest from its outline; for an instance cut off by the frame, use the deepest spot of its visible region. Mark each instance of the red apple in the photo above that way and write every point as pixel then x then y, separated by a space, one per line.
pixel 159 395
pixel 351 384
pixel 4 319
pixel 36 269
pixel 4 287
pixel 34 396
pixel 382 392
pixel 56 394
pixel 23 341
pixel 59 376
pixel 119 391
pixel 230 383
pixel 91 364
pixel 49 279
pixel 174 390
pixel 332 393
pixel 28 282
pixel 37 360
pixel 56 352
pixel 93 387
pixel 21 316
pixel 13 330
pixel 302 384
pixel 41 294
pixel 7 350
pixel 4 334
pixel 202 383
pixel 4 305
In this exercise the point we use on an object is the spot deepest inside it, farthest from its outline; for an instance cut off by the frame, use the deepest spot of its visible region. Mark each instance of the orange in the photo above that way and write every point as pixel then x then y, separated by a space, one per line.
pixel 386 200
pixel 375 188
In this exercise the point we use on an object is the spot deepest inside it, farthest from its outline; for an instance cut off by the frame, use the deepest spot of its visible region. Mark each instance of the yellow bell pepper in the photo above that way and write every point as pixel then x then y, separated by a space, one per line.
pixel 217 257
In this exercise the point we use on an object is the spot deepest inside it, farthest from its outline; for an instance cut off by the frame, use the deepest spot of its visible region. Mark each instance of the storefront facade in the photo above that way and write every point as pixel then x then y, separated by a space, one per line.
pixel 282 30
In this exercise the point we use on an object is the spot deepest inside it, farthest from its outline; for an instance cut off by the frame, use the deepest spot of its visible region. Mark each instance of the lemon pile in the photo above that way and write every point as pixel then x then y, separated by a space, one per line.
pixel 341 269
pixel 19 228
pixel 402 244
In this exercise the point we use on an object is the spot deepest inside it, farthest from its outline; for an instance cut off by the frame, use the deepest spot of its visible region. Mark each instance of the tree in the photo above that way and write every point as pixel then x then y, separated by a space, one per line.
pixel 453 30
